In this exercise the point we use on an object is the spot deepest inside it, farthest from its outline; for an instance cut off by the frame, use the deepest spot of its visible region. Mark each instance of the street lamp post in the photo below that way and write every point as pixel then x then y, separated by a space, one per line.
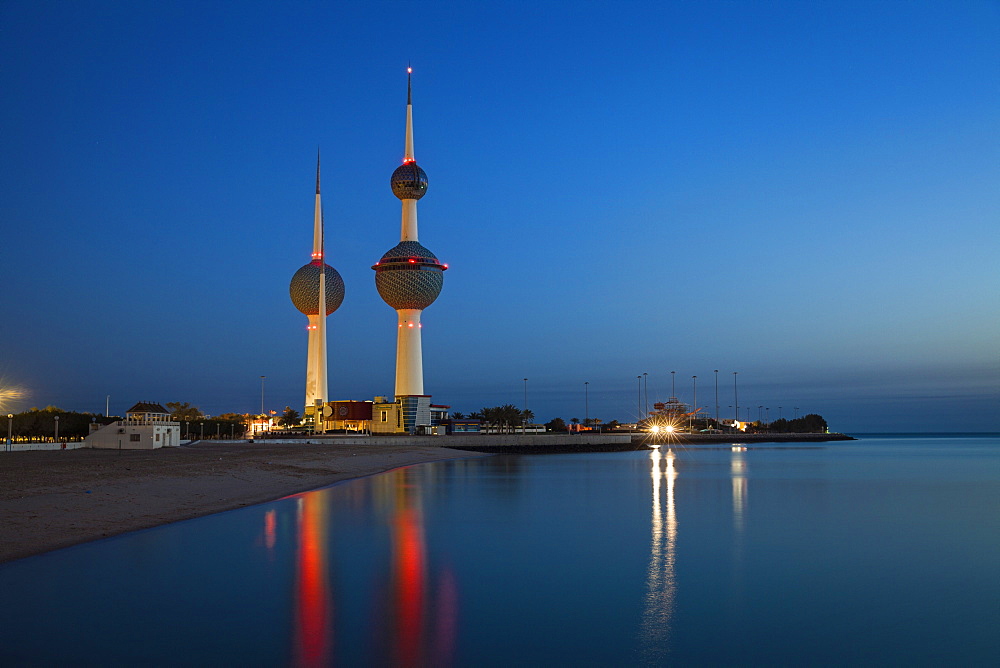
pixel 673 390
pixel 10 431
pixel 586 402
pixel 767 418
pixel 525 394
pixel 645 391
pixel 716 398
pixel 187 432
pixel 736 397
pixel 202 437
pixel 262 394
pixel 638 401
pixel 56 437
pixel 694 407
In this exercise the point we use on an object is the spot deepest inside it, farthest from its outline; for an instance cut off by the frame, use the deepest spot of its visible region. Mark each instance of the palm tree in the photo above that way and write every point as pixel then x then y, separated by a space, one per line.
pixel 527 417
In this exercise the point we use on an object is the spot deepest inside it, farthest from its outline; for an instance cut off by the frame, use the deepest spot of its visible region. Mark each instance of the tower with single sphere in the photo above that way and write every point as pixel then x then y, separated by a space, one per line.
pixel 317 290
pixel 409 278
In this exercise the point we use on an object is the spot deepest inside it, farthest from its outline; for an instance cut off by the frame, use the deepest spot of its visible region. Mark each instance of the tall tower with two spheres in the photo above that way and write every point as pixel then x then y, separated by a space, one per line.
pixel 317 290
pixel 409 278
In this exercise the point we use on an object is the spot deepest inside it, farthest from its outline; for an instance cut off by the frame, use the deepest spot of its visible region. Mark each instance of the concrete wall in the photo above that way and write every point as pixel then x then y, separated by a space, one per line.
pixel 461 440
pixel 120 435
pixel 393 418
pixel 58 445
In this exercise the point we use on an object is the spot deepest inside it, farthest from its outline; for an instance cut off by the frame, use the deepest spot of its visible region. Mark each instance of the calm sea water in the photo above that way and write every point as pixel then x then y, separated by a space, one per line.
pixel 880 551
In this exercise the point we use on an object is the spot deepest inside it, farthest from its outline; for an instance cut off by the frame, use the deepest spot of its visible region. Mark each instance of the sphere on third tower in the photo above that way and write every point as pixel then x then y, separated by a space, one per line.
pixel 409 181
pixel 304 289
pixel 409 276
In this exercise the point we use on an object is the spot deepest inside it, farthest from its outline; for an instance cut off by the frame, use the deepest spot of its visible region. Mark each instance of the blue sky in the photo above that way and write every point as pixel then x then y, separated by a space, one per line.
pixel 803 192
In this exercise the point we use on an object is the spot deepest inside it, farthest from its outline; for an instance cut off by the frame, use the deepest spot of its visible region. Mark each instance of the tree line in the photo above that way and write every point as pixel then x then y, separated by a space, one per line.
pixel 504 417
pixel 40 424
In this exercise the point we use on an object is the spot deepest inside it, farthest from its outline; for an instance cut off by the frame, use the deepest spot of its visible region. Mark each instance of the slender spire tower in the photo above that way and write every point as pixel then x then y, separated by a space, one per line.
pixel 316 288
pixel 408 277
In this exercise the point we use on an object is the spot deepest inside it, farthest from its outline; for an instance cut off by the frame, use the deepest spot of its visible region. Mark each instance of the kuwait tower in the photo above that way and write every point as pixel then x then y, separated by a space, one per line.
pixel 409 278
pixel 316 289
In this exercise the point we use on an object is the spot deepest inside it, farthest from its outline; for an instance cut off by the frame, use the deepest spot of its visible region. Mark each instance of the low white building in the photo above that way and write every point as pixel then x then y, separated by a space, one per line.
pixel 146 426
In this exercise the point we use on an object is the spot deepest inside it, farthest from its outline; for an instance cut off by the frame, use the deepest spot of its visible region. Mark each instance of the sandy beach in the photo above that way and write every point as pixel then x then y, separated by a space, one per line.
pixel 54 499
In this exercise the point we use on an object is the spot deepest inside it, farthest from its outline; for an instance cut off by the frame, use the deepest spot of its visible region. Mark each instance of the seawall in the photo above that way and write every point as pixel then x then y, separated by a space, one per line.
pixel 489 442
pixel 556 443
pixel 697 439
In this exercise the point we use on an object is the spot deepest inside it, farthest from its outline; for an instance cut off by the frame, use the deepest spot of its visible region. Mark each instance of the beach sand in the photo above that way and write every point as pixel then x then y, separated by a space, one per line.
pixel 54 499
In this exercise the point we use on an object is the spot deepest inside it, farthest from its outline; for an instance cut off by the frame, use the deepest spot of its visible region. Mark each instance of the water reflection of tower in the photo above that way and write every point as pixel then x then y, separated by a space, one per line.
pixel 421 620
pixel 317 290
pixel 313 625
pixel 409 278
pixel 661 583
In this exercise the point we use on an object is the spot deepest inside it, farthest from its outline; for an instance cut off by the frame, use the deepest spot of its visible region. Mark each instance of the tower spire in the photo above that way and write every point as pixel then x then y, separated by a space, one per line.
pixel 317 254
pixel 408 153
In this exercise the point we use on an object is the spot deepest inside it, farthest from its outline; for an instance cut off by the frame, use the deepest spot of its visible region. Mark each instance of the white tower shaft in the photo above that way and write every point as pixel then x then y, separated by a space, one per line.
pixel 316 380
pixel 409 351
pixel 409 357
pixel 408 230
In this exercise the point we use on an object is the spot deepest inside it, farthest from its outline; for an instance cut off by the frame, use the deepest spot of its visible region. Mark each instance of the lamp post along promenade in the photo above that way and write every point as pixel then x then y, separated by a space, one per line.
pixel 409 278
pixel 317 290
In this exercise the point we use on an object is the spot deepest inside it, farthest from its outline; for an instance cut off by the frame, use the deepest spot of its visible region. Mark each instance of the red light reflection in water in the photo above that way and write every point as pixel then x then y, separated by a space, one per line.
pixel 416 636
pixel 313 606
pixel 408 585
pixel 270 530
pixel 416 625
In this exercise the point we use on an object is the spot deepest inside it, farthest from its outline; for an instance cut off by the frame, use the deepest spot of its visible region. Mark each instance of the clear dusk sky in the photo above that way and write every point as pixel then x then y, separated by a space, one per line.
pixel 807 193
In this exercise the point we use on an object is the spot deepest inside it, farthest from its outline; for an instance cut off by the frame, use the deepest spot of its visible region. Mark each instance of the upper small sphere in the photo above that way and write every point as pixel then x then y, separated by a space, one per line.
pixel 409 181
pixel 304 289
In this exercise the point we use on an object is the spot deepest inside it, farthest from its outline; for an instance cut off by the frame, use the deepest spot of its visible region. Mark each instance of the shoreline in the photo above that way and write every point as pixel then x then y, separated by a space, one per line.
pixel 55 499
pixel 628 442
pixel 52 499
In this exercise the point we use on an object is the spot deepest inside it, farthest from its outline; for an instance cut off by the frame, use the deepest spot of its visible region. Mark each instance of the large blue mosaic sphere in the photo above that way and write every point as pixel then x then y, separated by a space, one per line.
pixel 304 289
pixel 409 276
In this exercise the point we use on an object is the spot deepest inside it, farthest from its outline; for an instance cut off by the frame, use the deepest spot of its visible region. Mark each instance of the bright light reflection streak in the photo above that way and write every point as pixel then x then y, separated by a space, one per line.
pixel 737 468
pixel 738 473
pixel 661 583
